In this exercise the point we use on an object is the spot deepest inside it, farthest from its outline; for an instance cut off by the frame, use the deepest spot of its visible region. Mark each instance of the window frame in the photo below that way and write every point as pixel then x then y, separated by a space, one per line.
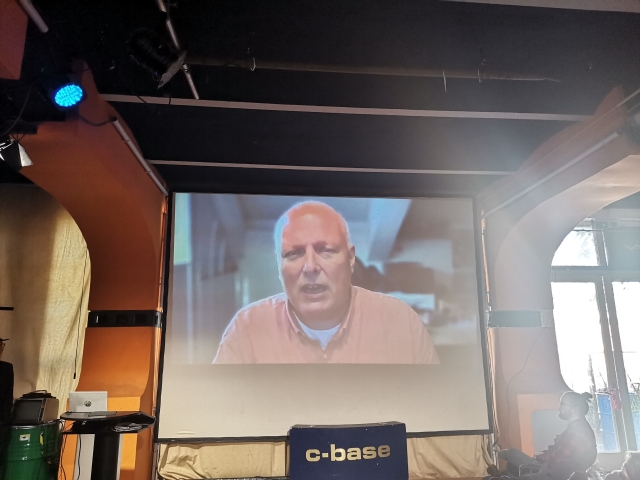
pixel 603 277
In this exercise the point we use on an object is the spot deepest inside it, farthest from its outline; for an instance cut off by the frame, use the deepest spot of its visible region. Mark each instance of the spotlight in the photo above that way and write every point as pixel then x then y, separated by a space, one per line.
pixel 64 91
pixel 14 155
pixel 68 96
pixel 158 56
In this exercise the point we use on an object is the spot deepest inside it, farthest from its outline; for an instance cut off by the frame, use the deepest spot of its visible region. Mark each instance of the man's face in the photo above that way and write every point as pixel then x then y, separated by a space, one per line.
pixel 564 410
pixel 316 265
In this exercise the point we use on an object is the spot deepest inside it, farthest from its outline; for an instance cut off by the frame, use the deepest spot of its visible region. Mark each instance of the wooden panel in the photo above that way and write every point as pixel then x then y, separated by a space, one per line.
pixel 13 31
pixel 120 212
pixel 118 208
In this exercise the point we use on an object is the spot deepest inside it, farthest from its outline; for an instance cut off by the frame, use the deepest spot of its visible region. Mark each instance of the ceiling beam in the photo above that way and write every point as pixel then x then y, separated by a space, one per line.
pixel 392 112
pixel 631 6
pixel 309 168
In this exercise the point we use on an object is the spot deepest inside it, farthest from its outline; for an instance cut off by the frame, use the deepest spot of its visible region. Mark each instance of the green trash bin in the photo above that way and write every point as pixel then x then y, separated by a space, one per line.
pixel 33 452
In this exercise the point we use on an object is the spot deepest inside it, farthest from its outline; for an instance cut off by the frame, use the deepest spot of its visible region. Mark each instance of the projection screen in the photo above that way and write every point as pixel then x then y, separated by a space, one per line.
pixel 285 310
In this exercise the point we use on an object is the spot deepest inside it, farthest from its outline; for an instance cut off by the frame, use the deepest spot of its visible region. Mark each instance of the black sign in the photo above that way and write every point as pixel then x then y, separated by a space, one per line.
pixel 367 452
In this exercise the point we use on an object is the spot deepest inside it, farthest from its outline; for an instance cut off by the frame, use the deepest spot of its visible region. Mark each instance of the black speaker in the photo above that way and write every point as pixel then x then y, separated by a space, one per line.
pixel 515 318
pixel 124 318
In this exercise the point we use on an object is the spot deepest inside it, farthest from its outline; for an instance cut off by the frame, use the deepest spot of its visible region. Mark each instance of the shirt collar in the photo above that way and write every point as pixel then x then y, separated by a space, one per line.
pixel 343 326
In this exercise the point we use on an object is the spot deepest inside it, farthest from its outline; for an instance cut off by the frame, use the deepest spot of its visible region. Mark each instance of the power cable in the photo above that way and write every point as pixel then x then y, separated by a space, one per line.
pixel 491 360
pixel 94 124
pixel 79 455
pixel 64 444
pixel 26 100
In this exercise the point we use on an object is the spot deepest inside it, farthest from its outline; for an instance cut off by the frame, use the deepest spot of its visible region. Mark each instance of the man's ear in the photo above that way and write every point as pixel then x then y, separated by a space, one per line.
pixel 352 257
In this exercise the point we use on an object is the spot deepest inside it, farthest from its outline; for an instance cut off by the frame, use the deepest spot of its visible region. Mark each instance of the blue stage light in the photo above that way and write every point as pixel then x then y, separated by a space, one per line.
pixel 68 95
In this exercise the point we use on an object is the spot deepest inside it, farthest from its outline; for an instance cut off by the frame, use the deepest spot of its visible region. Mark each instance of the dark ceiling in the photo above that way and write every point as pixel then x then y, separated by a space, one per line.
pixel 588 52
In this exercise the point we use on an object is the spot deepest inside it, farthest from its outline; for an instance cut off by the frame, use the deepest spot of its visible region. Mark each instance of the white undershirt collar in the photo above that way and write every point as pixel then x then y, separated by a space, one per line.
pixel 322 336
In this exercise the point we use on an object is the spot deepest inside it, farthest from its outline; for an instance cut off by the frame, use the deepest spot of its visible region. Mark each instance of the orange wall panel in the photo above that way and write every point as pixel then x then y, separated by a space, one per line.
pixel 13 32
pixel 118 360
pixel 118 208
pixel 121 212
pixel 525 362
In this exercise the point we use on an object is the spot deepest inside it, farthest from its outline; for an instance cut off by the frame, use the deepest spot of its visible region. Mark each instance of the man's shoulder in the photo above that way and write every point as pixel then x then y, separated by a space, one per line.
pixel 581 425
pixel 258 310
pixel 377 300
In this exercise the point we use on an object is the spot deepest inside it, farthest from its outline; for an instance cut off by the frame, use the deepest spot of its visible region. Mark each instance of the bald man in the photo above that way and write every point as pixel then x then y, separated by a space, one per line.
pixel 321 317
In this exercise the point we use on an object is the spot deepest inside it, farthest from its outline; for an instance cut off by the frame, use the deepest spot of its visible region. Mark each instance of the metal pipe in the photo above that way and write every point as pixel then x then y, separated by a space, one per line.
pixel 139 156
pixel 608 139
pixel 192 86
pixel 628 98
pixel 252 64
pixel 176 42
pixel 623 389
pixel 391 112
pixel 309 168
pixel 34 15
pixel 606 331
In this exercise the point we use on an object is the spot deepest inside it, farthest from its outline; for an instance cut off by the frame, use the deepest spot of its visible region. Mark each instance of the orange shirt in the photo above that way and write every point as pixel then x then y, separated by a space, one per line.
pixel 378 329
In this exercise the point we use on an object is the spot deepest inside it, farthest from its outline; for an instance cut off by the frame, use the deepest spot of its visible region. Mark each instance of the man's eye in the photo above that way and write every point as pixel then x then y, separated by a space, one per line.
pixel 324 250
pixel 292 255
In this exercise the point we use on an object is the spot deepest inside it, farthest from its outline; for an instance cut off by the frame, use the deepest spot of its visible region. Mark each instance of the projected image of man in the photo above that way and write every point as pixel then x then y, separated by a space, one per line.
pixel 321 317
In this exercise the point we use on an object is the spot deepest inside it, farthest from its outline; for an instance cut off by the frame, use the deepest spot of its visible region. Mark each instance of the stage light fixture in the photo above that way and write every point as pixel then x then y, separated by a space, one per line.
pixel 68 95
pixel 12 153
pixel 64 91
pixel 155 54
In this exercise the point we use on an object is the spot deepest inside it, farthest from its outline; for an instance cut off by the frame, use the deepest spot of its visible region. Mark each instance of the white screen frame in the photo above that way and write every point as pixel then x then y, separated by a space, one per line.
pixel 258 433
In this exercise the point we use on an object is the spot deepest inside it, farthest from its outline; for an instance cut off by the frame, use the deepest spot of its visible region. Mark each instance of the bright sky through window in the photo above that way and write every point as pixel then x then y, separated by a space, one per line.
pixel 577 249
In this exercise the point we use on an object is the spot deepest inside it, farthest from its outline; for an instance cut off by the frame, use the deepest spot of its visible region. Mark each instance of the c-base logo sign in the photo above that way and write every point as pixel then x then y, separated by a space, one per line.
pixel 375 451
pixel 342 454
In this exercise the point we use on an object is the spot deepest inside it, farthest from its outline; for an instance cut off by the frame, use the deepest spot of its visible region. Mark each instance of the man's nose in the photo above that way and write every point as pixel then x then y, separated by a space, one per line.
pixel 310 261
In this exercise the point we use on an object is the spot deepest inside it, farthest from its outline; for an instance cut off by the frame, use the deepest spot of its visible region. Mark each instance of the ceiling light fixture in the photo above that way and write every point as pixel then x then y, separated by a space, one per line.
pixel 68 95
pixel 64 91
pixel 158 56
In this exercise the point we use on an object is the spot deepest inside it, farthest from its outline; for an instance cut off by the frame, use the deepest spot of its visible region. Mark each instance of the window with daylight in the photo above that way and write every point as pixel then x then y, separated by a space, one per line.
pixel 596 296
pixel 577 249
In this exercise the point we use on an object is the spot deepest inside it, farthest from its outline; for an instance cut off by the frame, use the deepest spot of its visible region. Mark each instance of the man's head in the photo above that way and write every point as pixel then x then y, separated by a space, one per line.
pixel 573 405
pixel 315 258
pixel 631 466
pixel 2 344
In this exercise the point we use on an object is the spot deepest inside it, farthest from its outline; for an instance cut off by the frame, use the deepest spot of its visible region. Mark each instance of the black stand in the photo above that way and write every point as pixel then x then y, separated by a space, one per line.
pixel 107 427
